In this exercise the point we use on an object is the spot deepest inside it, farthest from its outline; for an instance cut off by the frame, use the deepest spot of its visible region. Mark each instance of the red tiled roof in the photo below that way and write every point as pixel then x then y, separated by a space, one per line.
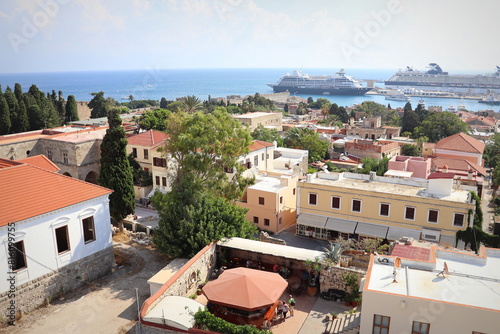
pixel 461 142
pixel 148 138
pixel 411 252
pixel 6 163
pixel 40 161
pixel 441 176
pixel 31 191
pixel 458 165
pixel 258 144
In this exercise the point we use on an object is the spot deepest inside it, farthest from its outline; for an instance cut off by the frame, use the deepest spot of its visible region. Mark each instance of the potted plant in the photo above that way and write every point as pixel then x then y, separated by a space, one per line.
pixel 314 267
pixel 347 299
pixel 351 283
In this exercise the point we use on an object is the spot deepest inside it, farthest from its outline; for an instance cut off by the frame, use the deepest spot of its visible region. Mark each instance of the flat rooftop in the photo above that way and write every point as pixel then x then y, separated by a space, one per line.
pixel 255 114
pixel 386 185
pixel 472 280
pixel 267 183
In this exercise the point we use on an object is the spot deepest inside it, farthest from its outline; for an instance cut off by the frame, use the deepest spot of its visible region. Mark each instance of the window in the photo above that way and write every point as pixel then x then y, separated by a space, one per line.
pixel 384 209
pixel 255 220
pixel 335 202
pixel 420 328
pixel 164 181
pixel 433 216
pixel 459 219
pixel 356 205
pixel 266 222
pixel 49 154
pixel 262 156
pixel 19 256
pixel 313 199
pixel 293 191
pixel 62 239
pixel 134 152
pixel 157 180
pixel 88 229
pixel 381 324
pixel 261 200
pixel 146 154
pixel 159 162
pixel 281 199
pixel 280 220
pixel 65 157
pixel 410 213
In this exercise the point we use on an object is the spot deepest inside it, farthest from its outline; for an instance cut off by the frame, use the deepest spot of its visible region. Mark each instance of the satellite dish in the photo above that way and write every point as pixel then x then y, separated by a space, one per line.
pixel 446 269
pixel 397 262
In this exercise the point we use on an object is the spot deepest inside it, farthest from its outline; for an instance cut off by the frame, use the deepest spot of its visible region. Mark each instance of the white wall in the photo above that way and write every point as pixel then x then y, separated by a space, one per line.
pixel 38 235
pixel 442 317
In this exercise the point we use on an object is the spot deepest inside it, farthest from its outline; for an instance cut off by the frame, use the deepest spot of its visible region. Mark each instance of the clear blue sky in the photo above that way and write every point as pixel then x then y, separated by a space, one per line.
pixel 74 35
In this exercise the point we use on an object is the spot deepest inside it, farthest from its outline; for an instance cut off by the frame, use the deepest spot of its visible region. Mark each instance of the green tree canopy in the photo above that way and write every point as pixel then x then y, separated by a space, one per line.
pixel 267 135
pixel 98 105
pixel 71 110
pixel 410 150
pixel 374 165
pixel 307 139
pixel 410 121
pixel 154 119
pixel 441 125
pixel 5 122
pixel 202 146
pixel 115 172
pixel 191 104
pixel 189 221
pixel 163 103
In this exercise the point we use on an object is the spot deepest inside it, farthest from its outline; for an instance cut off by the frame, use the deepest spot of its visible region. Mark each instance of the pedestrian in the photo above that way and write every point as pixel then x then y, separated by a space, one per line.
pixel 291 304
pixel 285 309
pixel 279 310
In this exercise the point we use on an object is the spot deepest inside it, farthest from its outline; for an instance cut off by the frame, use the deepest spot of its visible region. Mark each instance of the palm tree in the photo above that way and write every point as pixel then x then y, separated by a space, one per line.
pixel 191 104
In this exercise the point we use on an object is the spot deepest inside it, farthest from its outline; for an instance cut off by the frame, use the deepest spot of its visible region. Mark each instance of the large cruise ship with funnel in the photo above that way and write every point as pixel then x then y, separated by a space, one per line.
pixel 435 79
pixel 300 83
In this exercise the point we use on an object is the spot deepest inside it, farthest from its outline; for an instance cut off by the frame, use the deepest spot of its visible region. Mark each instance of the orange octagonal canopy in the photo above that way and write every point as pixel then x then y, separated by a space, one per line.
pixel 245 289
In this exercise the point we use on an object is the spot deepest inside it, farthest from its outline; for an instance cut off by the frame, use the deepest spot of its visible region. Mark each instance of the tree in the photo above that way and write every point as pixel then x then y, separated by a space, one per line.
pixel 163 103
pixel 340 112
pixel 115 172
pixel 492 151
pixel 410 150
pixel 154 119
pixel 307 139
pixel 202 146
pixel 11 100
pixel 191 104
pixel 441 125
pixel 189 221
pixel 71 110
pixel 410 121
pixel 374 165
pixel 98 105
pixel 267 135
pixel 5 122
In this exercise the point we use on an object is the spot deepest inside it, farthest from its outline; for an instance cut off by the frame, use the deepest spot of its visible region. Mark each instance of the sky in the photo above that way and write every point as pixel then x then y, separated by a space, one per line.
pixel 86 35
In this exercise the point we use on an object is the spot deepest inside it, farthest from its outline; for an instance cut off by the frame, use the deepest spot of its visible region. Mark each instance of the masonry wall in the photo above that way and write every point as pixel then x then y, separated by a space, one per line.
pixel 46 288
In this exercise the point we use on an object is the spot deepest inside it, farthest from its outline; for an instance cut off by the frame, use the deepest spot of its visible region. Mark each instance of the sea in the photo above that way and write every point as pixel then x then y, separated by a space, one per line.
pixel 175 83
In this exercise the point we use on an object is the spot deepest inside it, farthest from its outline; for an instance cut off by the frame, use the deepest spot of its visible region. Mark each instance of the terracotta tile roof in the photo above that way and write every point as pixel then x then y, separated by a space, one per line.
pixel 258 144
pixel 40 161
pixel 441 176
pixel 411 252
pixel 30 191
pixel 148 138
pixel 457 165
pixel 461 142
pixel 6 163
pixel 480 119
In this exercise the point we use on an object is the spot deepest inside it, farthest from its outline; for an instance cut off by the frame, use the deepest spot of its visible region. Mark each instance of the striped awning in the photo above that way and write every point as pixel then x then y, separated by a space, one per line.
pixel 341 225
pixel 396 233
pixel 372 230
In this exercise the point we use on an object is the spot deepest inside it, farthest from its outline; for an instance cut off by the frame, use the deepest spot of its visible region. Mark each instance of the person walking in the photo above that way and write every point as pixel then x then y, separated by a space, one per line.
pixel 279 310
pixel 285 310
pixel 291 304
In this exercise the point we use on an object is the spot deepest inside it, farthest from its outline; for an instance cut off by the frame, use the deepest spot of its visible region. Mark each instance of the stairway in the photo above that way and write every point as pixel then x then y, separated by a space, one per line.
pixel 346 324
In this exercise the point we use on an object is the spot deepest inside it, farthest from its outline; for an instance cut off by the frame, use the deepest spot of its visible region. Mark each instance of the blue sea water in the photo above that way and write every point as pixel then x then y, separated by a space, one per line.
pixel 173 83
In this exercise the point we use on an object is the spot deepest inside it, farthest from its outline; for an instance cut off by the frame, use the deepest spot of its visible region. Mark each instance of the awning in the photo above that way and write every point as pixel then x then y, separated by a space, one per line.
pixel 340 225
pixel 396 233
pixel 174 311
pixel 311 220
pixel 371 230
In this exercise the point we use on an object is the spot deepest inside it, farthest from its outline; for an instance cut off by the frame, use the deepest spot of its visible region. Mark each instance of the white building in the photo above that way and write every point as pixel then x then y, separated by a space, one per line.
pixel 425 298
pixel 54 234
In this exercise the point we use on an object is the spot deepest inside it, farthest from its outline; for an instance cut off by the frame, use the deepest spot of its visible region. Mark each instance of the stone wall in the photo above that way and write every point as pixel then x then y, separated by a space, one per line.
pixel 331 277
pixel 41 290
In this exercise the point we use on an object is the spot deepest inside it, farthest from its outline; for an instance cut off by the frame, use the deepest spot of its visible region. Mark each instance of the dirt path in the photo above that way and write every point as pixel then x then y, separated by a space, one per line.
pixel 107 305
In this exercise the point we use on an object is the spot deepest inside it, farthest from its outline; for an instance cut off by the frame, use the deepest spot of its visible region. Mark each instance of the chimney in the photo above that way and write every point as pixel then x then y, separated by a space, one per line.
pixel 445 168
